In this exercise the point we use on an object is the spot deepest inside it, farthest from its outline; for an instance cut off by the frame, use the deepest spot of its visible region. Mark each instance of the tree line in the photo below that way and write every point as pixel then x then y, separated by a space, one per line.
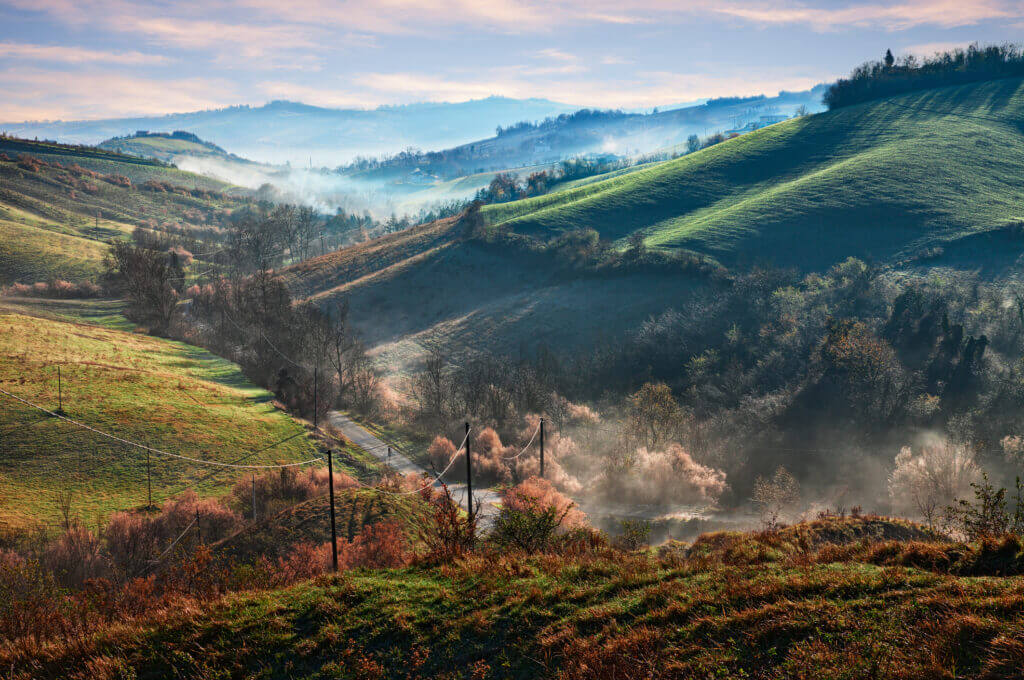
pixel 890 76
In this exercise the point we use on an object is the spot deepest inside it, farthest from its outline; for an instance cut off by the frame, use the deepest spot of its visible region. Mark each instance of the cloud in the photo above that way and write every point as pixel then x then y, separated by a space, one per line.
pixel 893 17
pixel 928 49
pixel 36 94
pixel 76 55
pixel 645 89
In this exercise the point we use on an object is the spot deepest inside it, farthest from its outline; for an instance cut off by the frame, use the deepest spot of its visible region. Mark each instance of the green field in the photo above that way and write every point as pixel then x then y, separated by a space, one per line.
pixel 883 179
pixel 57 219
pixel 161 393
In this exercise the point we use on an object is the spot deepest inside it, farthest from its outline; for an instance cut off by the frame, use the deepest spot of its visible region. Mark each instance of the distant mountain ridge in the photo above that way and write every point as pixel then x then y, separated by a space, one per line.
pixel 284 131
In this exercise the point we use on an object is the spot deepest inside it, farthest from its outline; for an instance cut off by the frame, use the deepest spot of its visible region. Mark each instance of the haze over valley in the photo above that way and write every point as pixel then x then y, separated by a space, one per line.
pixel 511 340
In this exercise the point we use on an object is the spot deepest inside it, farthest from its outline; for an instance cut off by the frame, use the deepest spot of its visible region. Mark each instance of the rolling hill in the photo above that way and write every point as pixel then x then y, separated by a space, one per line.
pixel 60 206
pixel 162 393
pixel 882 180
pixel 931 175
pixel 731 606
pixel 166 146
pixel 590 132
pixel 283 131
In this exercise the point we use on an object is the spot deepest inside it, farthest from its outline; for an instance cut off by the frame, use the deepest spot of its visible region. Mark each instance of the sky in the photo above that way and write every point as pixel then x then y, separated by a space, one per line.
pixel 85 59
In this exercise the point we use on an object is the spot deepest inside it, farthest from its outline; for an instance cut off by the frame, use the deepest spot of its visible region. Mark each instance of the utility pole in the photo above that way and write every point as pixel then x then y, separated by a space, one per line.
pixel 149 480
pixel 198 527
pixel 542 448
pixel 316 404
pixel 60 393
pixel 334 531
pixel 253 496
pixel 389 455
pixel 469 477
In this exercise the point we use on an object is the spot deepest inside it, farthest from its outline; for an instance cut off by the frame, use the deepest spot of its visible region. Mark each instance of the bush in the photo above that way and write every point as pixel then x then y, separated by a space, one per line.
pixel 56 289
pixel 531 514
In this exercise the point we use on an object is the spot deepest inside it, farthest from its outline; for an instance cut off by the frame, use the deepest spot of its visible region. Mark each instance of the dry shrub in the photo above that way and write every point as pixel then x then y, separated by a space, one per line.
pixel 184 256
pixel 556 448
pixel 75 558
pixel 448 534
pixel 488 457
pixel 537 493
pixel 670 476
pixel 278 489
pixel 381 545
pixel 933 478
pixel 56 289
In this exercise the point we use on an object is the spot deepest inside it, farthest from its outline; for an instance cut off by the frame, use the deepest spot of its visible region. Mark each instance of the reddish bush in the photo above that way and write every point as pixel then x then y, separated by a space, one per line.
pixel 278 489
pixel 30 163
pixel 118 180
pixel 57 289
pixel 76 558
pixel 536 493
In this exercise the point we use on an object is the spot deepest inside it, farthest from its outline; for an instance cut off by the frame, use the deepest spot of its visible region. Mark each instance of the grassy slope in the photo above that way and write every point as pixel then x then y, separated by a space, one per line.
pixel 166 394
pixel 48 221
pixel 762 614
pixel 879 179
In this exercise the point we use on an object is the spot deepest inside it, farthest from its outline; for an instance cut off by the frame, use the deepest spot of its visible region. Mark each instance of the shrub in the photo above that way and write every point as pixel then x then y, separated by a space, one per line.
pixel 75 558
pixel 448 533
pixel 776 496
pixel 935 477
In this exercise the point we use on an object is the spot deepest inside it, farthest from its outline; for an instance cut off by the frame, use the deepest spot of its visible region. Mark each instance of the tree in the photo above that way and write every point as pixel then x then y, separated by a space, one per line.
pixel 150 281
pixel 655 416
pixel 692 143
pixel 889 59
pixel 938 475
pixel 776 496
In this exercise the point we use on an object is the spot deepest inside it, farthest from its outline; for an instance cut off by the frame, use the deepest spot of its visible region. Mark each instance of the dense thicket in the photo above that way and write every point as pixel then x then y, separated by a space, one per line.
pixel 889 76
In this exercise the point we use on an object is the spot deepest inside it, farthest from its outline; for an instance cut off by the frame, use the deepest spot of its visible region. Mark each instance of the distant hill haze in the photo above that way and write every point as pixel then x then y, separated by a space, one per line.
pixel 594 132
pixel 283 131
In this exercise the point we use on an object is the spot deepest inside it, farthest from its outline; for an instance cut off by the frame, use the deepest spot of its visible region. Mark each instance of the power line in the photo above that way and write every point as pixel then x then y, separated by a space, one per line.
pixel 161 452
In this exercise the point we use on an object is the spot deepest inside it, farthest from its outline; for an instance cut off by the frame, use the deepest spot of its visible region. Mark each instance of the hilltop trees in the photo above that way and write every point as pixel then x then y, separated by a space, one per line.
pixel 890 76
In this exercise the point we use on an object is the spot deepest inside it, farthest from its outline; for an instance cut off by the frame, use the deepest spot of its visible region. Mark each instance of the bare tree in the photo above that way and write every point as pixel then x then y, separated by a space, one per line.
pixel 776 497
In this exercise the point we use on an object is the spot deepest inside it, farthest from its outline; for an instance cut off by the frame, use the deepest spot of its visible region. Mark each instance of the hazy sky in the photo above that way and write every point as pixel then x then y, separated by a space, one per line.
pixel 100 58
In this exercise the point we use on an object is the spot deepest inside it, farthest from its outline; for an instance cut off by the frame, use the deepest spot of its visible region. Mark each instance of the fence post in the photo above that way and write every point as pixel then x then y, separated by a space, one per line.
pixel 334 531
pixel 469 476
pixel 60 392
pixel 149 481
pixel 253 496
pixel 316 404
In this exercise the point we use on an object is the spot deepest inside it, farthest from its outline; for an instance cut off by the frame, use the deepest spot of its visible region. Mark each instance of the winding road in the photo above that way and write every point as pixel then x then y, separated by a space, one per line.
pixel 488 499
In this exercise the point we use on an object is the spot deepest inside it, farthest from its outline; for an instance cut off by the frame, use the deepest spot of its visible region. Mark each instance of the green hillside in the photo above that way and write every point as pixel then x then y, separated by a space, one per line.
pixel 884 179
pixel 60 206
pixel 164 394
pixel 749 606
pixel 166 146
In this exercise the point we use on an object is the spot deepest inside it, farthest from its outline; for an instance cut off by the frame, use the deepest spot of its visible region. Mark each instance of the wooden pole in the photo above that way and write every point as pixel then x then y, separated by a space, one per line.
pixel 334 531
pixel 316 403
pixel 469 477
pixel 149 480
pixel 542 448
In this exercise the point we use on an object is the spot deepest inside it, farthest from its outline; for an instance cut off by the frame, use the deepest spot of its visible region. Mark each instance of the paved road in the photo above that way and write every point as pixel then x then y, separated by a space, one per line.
pixel 358 435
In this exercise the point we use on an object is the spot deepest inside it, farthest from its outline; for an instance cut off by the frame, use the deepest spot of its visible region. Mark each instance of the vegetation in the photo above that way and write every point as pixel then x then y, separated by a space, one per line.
pixel 865 180
pixel 58 211
pixel 756 605
pixel 164 394
pixel 889 76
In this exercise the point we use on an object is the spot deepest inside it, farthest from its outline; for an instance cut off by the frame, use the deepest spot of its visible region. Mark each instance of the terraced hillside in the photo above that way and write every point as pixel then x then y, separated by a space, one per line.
pixel 60 206
pixel 164 394
pixel 887 180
